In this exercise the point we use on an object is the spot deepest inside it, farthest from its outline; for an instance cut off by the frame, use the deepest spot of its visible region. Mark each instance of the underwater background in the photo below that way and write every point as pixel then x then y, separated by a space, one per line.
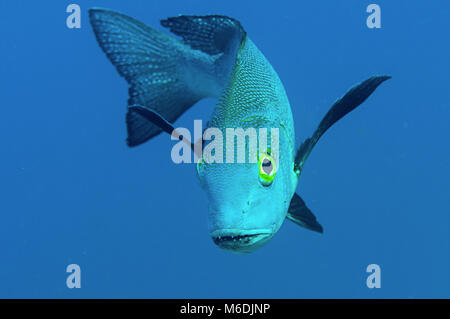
pixel 72 192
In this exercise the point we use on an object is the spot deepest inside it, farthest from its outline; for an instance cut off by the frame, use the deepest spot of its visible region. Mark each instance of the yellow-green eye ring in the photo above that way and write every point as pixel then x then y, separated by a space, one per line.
pixel 200 164
pixel 267 169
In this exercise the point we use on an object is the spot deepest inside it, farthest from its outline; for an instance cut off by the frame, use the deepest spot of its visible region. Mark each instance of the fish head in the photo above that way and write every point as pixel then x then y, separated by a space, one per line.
pixel 248 202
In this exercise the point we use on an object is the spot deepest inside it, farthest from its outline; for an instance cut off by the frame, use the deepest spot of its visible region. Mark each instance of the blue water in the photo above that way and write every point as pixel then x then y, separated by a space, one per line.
pixel 72 192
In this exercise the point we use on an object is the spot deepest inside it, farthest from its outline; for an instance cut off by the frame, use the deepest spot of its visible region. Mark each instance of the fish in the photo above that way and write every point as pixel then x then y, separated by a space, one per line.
pixel 212 56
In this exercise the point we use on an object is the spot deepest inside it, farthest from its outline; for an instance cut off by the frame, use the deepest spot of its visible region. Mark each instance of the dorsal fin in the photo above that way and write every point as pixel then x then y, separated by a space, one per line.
pixel 212 34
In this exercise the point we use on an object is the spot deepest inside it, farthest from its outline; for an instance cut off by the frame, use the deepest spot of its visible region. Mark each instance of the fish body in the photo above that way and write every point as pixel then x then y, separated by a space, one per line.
pixel 239 204
pixel 248 200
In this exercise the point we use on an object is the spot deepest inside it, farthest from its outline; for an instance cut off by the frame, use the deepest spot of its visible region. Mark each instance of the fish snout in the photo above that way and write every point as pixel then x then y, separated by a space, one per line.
pixel 241 240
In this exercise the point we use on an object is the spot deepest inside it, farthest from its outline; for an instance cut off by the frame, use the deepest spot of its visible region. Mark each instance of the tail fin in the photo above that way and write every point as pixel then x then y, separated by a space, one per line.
pixel 164 73
pixel 147 59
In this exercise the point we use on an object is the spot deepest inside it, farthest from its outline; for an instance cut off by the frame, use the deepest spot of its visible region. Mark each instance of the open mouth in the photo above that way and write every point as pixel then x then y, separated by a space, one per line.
pixel 240 240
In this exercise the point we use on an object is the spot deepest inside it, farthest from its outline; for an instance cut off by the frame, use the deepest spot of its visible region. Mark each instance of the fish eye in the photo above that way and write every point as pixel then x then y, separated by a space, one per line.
pixel 200 166
pixel 267 169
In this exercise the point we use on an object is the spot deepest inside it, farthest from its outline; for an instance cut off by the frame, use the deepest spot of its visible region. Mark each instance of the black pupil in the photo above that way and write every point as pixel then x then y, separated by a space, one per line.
pixel 267 166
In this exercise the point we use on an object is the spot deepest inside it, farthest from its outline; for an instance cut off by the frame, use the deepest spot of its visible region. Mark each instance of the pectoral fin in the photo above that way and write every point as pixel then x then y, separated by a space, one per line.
pixel 351 100
pixel 153 117
pixel 301 215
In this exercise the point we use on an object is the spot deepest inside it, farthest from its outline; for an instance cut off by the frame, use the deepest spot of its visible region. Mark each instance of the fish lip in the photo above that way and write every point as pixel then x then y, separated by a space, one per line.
pixel 238 231
pixel 240 240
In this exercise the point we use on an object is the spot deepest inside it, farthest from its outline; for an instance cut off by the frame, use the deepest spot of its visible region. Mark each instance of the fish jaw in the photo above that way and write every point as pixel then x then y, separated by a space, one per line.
pixel 241 240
